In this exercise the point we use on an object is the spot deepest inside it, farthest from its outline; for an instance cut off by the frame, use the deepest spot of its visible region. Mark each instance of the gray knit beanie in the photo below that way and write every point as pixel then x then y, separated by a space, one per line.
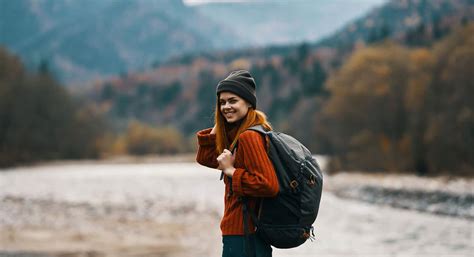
pixel 240 83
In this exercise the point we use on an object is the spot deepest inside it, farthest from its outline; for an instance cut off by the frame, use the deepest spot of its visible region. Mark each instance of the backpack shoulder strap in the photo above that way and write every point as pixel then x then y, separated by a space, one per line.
pixel 259 128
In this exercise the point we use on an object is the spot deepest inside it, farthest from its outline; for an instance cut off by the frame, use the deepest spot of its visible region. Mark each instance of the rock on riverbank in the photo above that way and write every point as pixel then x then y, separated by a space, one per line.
pixel 438 195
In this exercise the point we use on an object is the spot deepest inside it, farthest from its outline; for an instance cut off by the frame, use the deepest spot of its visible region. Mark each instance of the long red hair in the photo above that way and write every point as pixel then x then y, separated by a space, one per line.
pixel 253 117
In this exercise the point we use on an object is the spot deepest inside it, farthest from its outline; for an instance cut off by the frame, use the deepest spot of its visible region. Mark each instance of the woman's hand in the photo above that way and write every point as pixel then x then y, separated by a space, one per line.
pixel 226 162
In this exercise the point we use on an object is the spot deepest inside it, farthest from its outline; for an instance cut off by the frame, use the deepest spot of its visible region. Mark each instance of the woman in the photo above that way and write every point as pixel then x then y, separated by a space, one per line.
pixel 241 156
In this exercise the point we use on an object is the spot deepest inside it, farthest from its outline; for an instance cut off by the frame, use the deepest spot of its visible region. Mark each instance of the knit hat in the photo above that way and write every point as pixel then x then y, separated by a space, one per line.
pixel 240 83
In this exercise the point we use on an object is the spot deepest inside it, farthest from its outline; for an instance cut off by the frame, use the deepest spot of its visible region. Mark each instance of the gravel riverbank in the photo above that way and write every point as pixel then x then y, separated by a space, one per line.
pixel 173 209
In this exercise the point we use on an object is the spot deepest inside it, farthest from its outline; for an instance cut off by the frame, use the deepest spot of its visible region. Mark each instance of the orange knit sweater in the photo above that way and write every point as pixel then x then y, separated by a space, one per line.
pixel 254 176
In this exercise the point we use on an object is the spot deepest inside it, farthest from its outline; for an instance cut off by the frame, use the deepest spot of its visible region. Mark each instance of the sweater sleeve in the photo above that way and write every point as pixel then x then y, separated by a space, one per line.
pixel 258 178
pixel 206 154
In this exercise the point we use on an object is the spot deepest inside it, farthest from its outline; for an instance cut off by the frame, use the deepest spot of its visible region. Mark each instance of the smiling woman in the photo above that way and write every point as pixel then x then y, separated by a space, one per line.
pixel 247 168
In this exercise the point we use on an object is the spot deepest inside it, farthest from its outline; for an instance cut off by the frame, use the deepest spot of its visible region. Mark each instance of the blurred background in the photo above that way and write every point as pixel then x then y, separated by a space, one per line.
pixel 381 90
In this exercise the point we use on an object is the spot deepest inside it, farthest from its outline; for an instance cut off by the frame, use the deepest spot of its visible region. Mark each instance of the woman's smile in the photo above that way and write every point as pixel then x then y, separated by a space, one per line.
pixel 229 113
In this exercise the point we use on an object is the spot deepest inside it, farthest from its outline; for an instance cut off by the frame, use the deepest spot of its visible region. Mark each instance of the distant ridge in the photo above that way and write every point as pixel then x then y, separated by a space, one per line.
pixel 398 17
pixel 87 39
pixel 262 23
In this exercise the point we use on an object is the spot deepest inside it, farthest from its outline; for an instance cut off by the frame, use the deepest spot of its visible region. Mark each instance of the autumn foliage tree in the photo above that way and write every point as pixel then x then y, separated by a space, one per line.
pixel 449 133
pixel 393 108
pixel 367 111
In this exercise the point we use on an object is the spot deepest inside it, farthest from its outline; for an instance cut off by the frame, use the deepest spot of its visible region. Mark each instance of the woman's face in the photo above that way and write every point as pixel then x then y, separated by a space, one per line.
pixel 232 107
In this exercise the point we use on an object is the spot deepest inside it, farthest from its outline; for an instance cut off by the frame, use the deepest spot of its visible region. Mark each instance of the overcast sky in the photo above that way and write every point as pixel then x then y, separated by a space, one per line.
pixel 196 2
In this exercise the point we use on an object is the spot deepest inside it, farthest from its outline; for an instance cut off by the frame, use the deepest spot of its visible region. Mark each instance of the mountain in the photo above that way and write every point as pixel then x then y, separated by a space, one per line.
pixel 402 19
pixel 266 22
pixel 87 39
pixel 408 22
pixel 405 21
pixel 181 92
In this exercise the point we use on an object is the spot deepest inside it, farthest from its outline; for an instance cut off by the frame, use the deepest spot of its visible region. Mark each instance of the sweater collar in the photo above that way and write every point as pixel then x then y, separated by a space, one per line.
pixel 231 130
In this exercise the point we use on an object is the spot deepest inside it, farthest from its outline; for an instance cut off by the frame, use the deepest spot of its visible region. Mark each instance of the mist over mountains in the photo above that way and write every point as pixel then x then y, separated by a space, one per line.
pixel 261 23
pixel 87 40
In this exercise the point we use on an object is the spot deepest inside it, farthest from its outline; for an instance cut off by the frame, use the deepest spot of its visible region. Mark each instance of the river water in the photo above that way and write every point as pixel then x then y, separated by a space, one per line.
pixel 173 209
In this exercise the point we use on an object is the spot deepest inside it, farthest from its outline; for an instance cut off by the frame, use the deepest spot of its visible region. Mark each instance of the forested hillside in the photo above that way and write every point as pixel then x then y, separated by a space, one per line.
pixel 287 76
pixel 295 88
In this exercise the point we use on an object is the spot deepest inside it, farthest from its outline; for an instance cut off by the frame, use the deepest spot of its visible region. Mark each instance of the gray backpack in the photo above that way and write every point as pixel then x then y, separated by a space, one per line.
pixel 286 221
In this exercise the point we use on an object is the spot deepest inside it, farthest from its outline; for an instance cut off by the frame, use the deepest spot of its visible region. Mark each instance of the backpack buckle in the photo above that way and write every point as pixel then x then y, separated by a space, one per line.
pixel 312 180
pixel 302 166
pixel 294 185
pixel 306 235
pixel 309 234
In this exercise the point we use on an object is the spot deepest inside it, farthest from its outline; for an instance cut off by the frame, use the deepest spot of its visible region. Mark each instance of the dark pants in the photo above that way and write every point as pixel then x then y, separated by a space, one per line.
pixel 234 246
